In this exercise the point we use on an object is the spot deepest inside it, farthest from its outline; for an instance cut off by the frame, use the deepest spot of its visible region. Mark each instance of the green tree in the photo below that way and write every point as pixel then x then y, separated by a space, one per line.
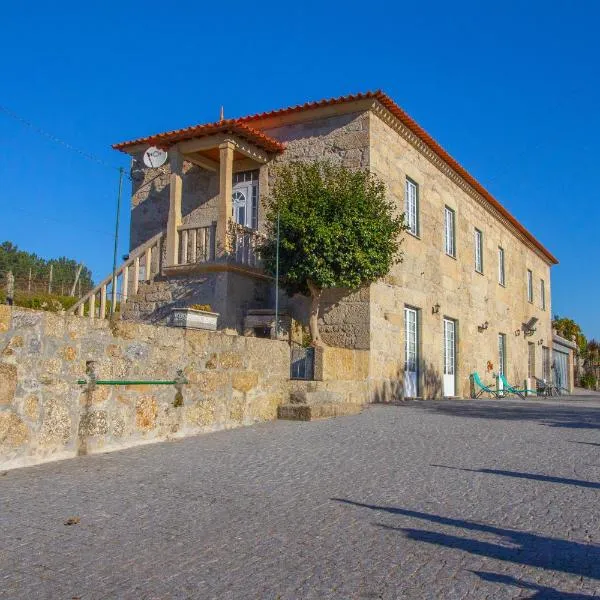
pixel 22 263
pixel 337 229
pixel 569 329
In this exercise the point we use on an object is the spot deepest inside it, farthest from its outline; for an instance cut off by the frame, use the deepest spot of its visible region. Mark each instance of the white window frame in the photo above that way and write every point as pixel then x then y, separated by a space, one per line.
pixel 411 206
pixel 530 359
pixel 546 363
pixel 501 267
pixel 530 286
pixel 450 231
pixel 478 238
pixel 502 354
pixel 543 294
pixel 246 183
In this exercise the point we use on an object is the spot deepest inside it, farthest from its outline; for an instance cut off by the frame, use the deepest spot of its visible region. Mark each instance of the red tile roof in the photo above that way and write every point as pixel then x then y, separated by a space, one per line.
pixel 234 126
pixel 240 126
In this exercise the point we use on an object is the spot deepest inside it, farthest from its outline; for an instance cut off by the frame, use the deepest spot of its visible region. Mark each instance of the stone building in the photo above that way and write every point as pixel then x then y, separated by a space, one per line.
pixel 472 294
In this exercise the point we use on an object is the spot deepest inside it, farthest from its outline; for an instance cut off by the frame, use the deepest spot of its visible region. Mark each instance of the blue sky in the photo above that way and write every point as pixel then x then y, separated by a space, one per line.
pixel 510 89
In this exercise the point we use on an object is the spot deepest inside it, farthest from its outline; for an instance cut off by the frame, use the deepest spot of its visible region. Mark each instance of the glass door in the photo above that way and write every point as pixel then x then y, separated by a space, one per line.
pixel 411 353
pixel 449 357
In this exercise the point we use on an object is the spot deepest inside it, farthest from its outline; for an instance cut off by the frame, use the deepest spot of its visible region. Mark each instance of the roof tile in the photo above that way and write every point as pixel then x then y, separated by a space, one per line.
pixel 241 127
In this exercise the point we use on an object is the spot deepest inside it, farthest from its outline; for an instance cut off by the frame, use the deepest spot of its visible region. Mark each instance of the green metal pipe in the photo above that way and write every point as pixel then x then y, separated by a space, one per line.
pixel 132 382
pixel 113 301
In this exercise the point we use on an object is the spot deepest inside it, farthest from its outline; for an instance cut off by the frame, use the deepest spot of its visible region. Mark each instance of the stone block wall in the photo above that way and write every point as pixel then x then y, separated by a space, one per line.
pixel 150 198
pixel 229 293
pixel 427 276
pixel 46 415
pixel 344 316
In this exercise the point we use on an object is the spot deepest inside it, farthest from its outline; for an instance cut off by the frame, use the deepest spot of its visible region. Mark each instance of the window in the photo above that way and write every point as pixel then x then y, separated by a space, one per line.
pixel 502 354
pixel 529 285
pixel 501 275
pixel 245 198
pixel 478 251
pixel 531 361
pixel 546 363
pixel 543 294
pixel 412 206
pixel 449 232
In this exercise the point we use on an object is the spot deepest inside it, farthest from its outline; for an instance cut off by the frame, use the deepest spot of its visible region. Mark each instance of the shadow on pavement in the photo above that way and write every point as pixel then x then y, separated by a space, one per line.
pixel 580 417
pixel 534 476
pixel 517 547
pixel 541 592
pixel 585 443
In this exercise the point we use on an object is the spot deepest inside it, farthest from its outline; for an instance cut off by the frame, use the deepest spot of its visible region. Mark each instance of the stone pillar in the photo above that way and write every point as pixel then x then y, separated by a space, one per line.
pixel 225 193
pixel 175 189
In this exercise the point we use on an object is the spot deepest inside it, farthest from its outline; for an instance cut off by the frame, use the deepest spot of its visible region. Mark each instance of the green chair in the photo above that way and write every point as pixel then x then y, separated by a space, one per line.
pixel 511 389
pixel 483 389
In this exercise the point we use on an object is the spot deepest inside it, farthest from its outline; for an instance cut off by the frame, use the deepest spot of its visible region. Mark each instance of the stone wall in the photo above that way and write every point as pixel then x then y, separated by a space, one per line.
pixel 46 415
pixel 229 293
pixel 345 315
pixel 427 277
pixel 150 198
pixel 342 139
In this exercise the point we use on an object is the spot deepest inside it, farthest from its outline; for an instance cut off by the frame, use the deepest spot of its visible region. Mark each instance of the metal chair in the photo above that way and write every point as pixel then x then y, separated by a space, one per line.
pixel 483 389
pixel 511 389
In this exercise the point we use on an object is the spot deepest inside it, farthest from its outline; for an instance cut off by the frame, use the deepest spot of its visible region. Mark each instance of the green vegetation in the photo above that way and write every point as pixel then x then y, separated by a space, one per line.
pixel 588 352
pixel 337 230
pixel 569 329
pixel 32 279
pixel 22 264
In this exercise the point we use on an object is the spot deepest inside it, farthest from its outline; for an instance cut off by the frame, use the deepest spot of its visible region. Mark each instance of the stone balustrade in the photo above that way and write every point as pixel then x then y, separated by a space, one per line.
pixel 197 244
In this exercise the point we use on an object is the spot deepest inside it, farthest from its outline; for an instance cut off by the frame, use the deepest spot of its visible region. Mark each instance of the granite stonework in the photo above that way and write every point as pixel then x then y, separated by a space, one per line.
pixel 427 276
pixel 150 198
pixel 228 293
pixel 345 316
pixel 372 318
pixel 45 415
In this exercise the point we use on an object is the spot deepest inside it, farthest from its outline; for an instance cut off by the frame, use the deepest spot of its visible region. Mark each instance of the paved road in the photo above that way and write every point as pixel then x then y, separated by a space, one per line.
pixel 469 499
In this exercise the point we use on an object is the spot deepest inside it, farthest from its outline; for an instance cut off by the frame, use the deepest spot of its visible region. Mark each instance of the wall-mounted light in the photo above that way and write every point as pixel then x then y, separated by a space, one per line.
pixel 483 327
pixel 518 332
pixel 540 342
pixel 529 327
pixel 435 309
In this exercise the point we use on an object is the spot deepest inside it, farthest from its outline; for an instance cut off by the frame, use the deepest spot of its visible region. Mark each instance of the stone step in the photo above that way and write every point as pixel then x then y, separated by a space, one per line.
pixel 310 412
pixel 315 396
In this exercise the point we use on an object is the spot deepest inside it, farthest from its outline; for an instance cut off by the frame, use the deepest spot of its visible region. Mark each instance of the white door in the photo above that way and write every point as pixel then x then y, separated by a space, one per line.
pixel 244 205
pixel 449 358
pixel 411 353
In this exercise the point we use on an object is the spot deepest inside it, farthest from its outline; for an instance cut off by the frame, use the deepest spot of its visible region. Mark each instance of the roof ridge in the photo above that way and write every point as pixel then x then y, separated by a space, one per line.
pixel 275 146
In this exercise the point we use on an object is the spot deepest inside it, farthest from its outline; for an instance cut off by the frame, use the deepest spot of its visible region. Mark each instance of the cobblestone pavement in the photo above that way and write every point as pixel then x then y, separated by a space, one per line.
pixel 465 499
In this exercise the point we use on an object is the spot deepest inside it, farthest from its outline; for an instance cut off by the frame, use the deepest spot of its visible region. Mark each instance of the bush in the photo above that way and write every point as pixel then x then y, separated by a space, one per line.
pixel 40 301
pixel 588 381
pixel 204 307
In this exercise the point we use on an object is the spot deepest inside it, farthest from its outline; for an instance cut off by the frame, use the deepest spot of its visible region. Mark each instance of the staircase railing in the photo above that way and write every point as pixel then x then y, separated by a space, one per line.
pixel 142 264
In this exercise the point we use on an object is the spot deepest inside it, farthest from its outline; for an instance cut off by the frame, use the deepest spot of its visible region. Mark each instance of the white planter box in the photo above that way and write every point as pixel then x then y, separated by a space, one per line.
pixel 190 318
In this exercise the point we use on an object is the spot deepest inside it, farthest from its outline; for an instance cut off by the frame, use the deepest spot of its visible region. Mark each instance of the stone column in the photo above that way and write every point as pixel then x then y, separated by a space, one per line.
pixel 225 193
pixel 175 189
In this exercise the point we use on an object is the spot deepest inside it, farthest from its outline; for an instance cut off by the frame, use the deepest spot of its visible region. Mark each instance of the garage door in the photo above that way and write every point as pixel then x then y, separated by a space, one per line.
pixel 561 369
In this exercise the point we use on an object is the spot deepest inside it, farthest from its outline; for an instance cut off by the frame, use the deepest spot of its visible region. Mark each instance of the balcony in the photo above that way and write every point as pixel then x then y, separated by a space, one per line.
pixel 198 249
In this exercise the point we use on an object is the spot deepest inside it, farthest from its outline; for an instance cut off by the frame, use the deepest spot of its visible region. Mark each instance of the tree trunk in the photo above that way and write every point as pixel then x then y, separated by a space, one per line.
pixel 313 322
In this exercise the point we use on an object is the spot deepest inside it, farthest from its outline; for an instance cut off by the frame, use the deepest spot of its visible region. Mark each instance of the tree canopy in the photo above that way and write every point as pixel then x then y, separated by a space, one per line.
pixel 21 262
pixel 569 329
pixel 336 229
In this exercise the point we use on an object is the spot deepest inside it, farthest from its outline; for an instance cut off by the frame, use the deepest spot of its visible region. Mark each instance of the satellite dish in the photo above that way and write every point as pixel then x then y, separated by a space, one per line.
pixel 155 157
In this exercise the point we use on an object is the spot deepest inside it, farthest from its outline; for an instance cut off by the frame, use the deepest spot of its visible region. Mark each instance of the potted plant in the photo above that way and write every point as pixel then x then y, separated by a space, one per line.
pixel 195 316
